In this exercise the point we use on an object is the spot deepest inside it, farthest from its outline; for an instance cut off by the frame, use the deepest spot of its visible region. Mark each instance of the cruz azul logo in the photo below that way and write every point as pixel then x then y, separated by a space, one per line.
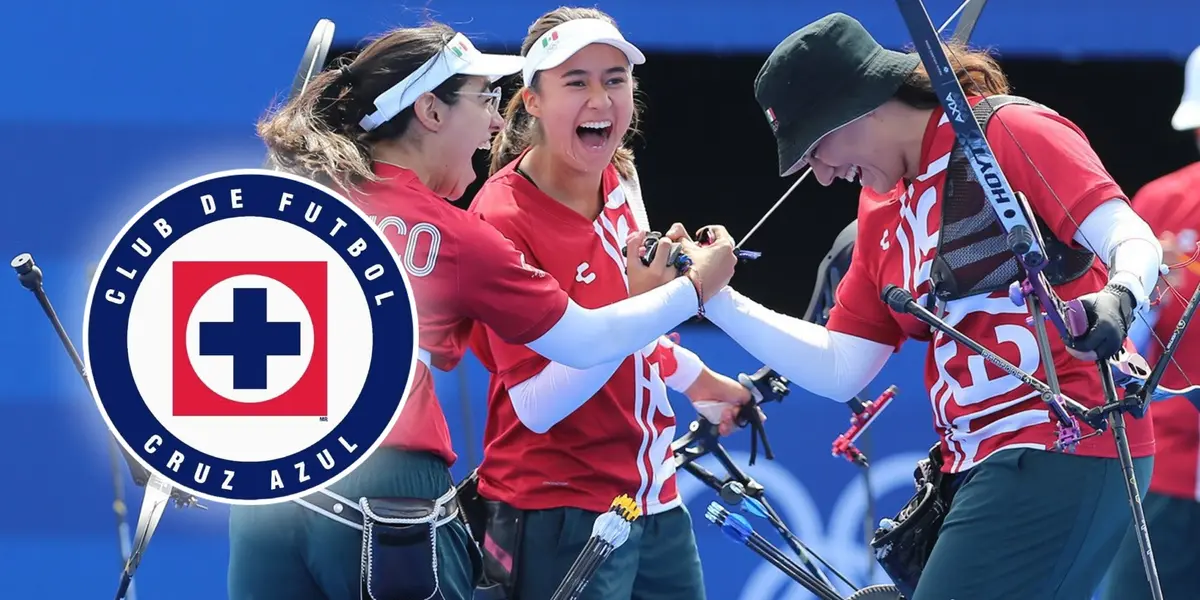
pixel 251 336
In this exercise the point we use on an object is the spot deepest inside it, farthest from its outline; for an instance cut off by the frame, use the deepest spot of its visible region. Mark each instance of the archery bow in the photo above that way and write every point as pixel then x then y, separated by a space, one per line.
pixel 1024 240
pixel 158 490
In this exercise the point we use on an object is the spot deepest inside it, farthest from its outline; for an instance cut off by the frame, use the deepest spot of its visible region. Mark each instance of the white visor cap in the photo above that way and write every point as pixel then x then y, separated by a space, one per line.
pixel 561 43
pixel 1187 115
pixel 459 57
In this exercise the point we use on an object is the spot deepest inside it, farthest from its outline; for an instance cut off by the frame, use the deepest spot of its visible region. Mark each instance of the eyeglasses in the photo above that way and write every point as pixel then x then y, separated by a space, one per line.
pixel 493 98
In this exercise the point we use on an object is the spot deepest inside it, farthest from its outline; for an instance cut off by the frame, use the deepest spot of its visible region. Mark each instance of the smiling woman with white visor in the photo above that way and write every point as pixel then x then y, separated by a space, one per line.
pixel 561 443
pixel 396 129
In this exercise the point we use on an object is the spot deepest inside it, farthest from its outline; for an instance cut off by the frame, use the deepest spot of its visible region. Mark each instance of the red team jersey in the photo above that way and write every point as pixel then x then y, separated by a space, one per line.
pixel 618 442
pixel 1171 204
pixel 977 407
pixel 461 270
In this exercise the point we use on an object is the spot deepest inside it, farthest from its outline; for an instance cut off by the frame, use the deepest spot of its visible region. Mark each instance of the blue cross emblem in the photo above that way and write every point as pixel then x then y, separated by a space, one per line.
pixel 250 338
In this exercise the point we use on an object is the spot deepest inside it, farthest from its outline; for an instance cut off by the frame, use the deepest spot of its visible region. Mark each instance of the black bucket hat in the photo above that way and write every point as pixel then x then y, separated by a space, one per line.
pixel 821 78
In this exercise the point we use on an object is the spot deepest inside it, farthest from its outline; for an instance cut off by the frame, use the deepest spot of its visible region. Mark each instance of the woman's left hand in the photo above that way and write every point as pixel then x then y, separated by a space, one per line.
pixel 718 399
pixel 1109 315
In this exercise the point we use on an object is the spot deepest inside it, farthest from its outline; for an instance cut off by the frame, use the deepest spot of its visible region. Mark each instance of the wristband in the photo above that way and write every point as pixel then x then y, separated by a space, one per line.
pixel 699 285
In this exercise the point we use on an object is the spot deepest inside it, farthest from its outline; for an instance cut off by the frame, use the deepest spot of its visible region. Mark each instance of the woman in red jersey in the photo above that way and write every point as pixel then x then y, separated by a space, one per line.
pixel 561 443
pixel 397 127
pixel 1171 205
pixel 1023 522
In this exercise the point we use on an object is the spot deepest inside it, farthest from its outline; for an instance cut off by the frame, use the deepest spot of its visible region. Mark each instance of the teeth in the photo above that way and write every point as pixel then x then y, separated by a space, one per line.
pixel 852 174
pixel 597 124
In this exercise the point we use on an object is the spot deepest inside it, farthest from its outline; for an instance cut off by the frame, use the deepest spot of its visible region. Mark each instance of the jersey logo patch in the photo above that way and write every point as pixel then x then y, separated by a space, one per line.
pixel 244 332
pixel 579 273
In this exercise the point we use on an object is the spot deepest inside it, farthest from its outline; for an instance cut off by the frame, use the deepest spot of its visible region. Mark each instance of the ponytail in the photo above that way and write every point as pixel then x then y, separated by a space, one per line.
pixel 318 135
pixel 516 136
pixel 977 71
pixel 312 135
pixel 623 161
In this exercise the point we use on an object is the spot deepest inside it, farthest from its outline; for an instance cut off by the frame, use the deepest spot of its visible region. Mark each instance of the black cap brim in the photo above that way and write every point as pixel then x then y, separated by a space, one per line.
pixel 875 84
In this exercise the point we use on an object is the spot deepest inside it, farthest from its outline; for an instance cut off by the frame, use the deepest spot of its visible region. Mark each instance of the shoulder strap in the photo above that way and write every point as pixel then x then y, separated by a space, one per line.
pixel 972 256
pixel 984 110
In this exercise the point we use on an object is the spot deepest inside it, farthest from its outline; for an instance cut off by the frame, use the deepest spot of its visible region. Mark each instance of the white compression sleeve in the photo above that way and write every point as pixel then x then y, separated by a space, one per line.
pixel 584 338
pixel 557 391
pixel 1126 244
pixel 826 363
pixel 553 394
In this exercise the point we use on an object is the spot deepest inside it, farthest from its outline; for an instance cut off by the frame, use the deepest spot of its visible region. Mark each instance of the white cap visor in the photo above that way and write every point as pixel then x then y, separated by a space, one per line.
pixel 1187 116
pixel 459 57
pixel 493 66
pixel 558 45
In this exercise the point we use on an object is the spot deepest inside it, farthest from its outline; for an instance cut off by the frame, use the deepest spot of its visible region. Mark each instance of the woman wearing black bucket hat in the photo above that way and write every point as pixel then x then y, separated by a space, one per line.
pixel 1024 523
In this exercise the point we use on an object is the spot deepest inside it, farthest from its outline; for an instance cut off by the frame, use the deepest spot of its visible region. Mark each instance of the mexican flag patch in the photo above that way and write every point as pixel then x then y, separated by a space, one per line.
pixel 553 37
pixel 772 120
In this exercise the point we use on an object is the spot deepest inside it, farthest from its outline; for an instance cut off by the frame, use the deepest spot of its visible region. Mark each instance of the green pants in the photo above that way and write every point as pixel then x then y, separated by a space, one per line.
pixel 1031 525
pixel 659 561
pixel 287 552
pixel 1174 525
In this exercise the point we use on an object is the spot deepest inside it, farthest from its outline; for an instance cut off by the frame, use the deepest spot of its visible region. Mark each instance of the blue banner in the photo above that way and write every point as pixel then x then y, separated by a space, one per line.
pixel 202 62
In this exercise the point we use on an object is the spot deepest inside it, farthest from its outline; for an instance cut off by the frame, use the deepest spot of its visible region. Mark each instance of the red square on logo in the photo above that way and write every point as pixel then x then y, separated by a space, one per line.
pixel 249 339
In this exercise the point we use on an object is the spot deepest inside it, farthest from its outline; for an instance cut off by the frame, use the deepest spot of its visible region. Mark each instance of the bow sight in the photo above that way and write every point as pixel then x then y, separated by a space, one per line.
pixel 765 386
pixel 739 489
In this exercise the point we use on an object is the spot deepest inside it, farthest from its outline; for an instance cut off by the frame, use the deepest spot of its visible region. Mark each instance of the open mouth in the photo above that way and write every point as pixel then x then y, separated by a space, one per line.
pixel 594 134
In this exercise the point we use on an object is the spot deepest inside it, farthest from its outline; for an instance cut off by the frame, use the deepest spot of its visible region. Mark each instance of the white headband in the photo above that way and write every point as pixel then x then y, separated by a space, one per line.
pixel 562 42
pixel 459 57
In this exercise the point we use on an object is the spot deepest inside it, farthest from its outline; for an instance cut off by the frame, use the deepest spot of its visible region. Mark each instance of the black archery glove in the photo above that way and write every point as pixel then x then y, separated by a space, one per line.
pixel 1109 314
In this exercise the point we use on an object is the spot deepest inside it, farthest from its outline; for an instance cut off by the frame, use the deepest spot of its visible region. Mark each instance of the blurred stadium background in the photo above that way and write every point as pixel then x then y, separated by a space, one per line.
pixel 109 104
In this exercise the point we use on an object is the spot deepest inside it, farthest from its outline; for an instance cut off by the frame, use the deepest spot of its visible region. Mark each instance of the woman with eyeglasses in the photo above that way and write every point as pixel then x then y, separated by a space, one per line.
pixel 561 443
pixel 395 129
